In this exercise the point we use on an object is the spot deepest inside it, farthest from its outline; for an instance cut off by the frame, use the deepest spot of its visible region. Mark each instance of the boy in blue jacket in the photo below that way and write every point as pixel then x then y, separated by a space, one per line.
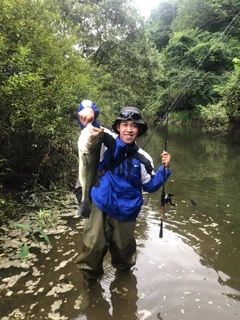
pixel 117 202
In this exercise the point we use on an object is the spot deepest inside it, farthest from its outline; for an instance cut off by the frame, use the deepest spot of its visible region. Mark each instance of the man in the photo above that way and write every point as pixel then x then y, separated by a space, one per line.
pixel 117 202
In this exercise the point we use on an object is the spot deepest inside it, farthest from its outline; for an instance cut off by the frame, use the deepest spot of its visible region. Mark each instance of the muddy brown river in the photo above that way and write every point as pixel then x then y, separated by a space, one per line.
pixel 193 272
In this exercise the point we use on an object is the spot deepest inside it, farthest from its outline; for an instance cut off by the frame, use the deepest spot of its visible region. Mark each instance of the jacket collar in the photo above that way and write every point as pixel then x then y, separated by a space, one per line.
pixel 122 147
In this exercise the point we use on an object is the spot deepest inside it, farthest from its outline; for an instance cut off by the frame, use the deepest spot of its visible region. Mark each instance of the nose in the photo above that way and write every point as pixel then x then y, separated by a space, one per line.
pixel 129 127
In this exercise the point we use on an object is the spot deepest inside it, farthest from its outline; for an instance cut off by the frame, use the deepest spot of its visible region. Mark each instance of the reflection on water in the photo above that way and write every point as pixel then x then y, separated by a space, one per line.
pixel 193 272
pixel 206 169
pixel 120 301
pixel 183 276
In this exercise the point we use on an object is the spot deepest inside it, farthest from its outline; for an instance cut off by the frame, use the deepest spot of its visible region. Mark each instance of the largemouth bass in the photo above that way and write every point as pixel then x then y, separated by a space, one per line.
pixel 89 145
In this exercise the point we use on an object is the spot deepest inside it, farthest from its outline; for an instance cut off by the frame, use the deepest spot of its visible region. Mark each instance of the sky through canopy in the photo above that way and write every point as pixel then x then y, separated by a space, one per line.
pixel 146 5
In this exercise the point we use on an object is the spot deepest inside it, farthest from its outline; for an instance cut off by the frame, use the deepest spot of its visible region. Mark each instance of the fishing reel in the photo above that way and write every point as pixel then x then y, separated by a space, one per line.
pixel 167 198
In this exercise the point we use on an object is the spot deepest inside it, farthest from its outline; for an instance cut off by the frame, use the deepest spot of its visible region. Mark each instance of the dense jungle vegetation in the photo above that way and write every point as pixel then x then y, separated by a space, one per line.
pixel 54 53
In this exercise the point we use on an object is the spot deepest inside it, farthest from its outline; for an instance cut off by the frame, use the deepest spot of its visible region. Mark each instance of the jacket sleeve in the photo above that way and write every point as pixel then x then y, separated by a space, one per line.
pixel 89 103
pixel 156 180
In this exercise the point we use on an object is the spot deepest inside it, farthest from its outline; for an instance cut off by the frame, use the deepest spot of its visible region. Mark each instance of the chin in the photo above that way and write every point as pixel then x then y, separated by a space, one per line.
pixel 128 141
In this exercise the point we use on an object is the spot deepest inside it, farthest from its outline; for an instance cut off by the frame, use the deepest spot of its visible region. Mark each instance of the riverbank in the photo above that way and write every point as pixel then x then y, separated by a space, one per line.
pixel 184 275
pixel 18 193
pixel 20 279
pixel 168 282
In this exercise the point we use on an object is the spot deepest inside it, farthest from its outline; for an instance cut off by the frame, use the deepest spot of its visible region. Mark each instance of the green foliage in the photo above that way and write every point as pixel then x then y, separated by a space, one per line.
pixel 55 53
pixel 9 207
pixel 207 15
pixel 160 24
pixel 25 227
pixel 45 237
pixel 196 60
pixel 179 46
pixel 32 231
pixel 43 77
pixel 24 252
pixel 232 95
pixel 133 72
pixel 183 117
pixel 116 43
pixel 214 115
pixel 218 56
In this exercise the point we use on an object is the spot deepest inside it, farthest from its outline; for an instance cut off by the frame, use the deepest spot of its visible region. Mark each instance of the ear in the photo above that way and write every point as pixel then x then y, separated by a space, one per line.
pixel 118 126
pixel 139 129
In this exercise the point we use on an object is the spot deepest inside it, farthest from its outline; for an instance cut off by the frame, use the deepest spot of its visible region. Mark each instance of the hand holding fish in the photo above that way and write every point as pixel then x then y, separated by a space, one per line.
pixel 166 159
pixel 86 115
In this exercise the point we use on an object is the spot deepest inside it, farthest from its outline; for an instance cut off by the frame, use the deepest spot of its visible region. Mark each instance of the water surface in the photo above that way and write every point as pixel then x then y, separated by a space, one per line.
pixel 193 272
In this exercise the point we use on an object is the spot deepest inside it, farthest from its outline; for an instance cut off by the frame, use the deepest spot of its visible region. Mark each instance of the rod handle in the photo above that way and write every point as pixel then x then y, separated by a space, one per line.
pixel 161 230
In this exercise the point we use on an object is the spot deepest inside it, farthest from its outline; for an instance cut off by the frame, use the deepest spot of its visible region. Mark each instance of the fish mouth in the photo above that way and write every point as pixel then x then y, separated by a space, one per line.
pixel 95 129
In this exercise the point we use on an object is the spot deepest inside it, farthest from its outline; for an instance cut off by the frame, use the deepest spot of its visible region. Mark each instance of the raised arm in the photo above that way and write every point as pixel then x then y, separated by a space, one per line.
pixel 88 112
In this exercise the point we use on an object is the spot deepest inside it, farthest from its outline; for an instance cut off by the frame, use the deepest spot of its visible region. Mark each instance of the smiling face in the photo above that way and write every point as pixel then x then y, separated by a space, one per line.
pixel 128 131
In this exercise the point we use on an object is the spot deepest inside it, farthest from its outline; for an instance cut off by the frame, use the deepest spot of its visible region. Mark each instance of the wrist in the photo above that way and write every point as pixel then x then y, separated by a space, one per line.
pixel 86 104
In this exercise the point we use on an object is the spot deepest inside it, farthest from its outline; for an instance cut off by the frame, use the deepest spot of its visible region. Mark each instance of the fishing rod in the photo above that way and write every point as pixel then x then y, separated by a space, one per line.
pixel 165 198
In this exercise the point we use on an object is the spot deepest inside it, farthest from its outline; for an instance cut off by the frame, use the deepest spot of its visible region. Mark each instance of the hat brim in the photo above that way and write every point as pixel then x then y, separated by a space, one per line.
pixel 142 125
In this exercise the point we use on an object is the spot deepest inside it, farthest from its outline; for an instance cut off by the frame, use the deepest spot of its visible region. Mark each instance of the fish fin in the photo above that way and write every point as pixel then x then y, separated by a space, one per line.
pixel 84 209
pixel 78 193
pixel 97 183
pixel 84 159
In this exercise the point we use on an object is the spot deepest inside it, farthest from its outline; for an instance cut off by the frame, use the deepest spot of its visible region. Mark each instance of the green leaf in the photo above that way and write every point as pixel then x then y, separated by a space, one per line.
pixel 24 252
pixel 23 226
pixel 45 237
pixel 42 222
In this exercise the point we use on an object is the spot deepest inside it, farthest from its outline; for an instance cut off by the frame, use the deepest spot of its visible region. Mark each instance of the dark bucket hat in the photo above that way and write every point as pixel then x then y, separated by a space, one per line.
pixel 134 114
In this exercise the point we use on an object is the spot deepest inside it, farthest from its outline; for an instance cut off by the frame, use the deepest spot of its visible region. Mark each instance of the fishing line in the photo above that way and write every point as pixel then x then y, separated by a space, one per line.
pixel 204 60
pixel 165 198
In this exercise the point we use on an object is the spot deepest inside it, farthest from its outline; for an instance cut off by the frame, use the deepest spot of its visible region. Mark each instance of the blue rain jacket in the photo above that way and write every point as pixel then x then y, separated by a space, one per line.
pixel 121 184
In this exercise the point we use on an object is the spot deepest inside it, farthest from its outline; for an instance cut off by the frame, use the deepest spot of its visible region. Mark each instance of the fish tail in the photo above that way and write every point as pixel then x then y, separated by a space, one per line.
pixel 84 209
